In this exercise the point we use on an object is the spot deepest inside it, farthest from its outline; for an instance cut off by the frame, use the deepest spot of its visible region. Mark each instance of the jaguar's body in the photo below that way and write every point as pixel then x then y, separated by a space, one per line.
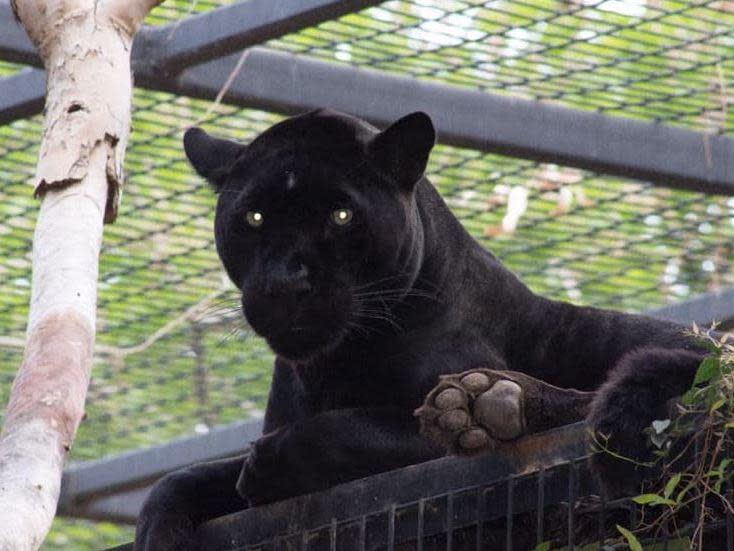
pixel 368 288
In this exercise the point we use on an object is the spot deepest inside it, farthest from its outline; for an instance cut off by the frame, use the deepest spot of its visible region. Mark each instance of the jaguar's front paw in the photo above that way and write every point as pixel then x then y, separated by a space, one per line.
pixel 472 411
pixel 468 412
pixel 164 523
pixel 269 474
pixel 165 532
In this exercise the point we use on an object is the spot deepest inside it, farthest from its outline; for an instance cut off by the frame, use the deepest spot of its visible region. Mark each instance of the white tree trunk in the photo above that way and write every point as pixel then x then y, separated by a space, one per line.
pixel 85 45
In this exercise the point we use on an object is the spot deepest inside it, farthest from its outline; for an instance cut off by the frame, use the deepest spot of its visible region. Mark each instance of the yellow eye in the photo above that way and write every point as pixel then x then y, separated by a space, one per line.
pixel 254 218
pixel 341 217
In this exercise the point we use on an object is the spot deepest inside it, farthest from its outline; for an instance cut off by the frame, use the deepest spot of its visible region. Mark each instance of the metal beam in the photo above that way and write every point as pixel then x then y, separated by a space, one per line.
pixel 22 95
pixel 665 155
pixel 114 487
pixel 226 30
pixel 15 46
pixel 122 507
pixel 703 309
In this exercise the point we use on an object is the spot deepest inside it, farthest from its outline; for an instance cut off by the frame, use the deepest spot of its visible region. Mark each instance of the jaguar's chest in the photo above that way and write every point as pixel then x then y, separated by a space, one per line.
pixel 394 373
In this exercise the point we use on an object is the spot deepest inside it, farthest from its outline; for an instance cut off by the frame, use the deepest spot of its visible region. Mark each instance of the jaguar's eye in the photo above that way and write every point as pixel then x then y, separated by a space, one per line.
pixel 254 218
pixel 342 217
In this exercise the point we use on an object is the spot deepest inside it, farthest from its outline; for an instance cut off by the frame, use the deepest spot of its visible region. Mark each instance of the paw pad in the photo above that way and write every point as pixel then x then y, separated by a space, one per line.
pixel 451 398
pixel 454 419
pixel 499 410
pixel 476 382
pixel 468 412
pixel 474 439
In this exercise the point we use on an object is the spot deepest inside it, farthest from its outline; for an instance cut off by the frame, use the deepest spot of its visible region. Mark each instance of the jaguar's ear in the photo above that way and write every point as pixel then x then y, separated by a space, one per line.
pixel 211 157
pixel 401 151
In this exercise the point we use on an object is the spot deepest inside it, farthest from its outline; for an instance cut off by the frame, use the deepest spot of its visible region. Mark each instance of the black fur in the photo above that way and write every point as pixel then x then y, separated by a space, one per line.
pixel 365 317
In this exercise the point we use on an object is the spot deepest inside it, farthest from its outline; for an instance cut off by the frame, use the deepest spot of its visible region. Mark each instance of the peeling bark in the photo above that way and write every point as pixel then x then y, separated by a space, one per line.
pixel 85 45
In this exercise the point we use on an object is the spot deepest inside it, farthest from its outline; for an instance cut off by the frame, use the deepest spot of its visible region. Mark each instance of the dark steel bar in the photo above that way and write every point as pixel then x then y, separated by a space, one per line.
pixel 15 46
pixel 391 529
pixel 450 522
pixel 232 28
pixel 363 533
pixel 540 479
pixel 696 459
pixel 571 504
pixel 729 514
pixel 82 483
pixel 332 535
pixel 602 518
pixel 510 511
pixel 481 508
pixel 22 95
pixel 703 309
pixel 420 524
pixel 668 156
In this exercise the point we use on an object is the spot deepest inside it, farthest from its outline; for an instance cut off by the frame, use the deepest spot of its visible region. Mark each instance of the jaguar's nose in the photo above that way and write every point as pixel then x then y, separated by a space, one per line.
pixel 290 278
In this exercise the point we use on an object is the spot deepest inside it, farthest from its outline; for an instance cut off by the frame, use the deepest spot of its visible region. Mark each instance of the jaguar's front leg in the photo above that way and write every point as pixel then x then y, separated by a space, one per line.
pixel 472 411
pixel 330 448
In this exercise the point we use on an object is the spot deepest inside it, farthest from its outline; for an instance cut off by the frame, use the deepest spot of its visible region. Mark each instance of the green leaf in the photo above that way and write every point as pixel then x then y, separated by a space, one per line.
pixel 671 485
pixel 544 546
pixel 644 499
pixel 652 499
pixel 709 368
pixel 689 398
pixel 632 541
pixel 716 405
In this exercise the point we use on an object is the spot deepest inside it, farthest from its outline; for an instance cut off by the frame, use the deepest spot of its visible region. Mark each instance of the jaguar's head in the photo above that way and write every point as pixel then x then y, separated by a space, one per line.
pixel 317 223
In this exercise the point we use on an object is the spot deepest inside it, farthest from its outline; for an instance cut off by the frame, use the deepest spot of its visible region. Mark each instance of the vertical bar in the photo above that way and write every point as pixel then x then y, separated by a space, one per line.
pixel 363 533
pixel 391 529
pixel 421 515
pixel 633 515
pixel 304 540
pixel 450 522
pixel 510 510
pixel 332 535
pixel 541 505
pixel 602 518
pixel 571 504
pixel 696 452
pixel 481 513
pixel 729 516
